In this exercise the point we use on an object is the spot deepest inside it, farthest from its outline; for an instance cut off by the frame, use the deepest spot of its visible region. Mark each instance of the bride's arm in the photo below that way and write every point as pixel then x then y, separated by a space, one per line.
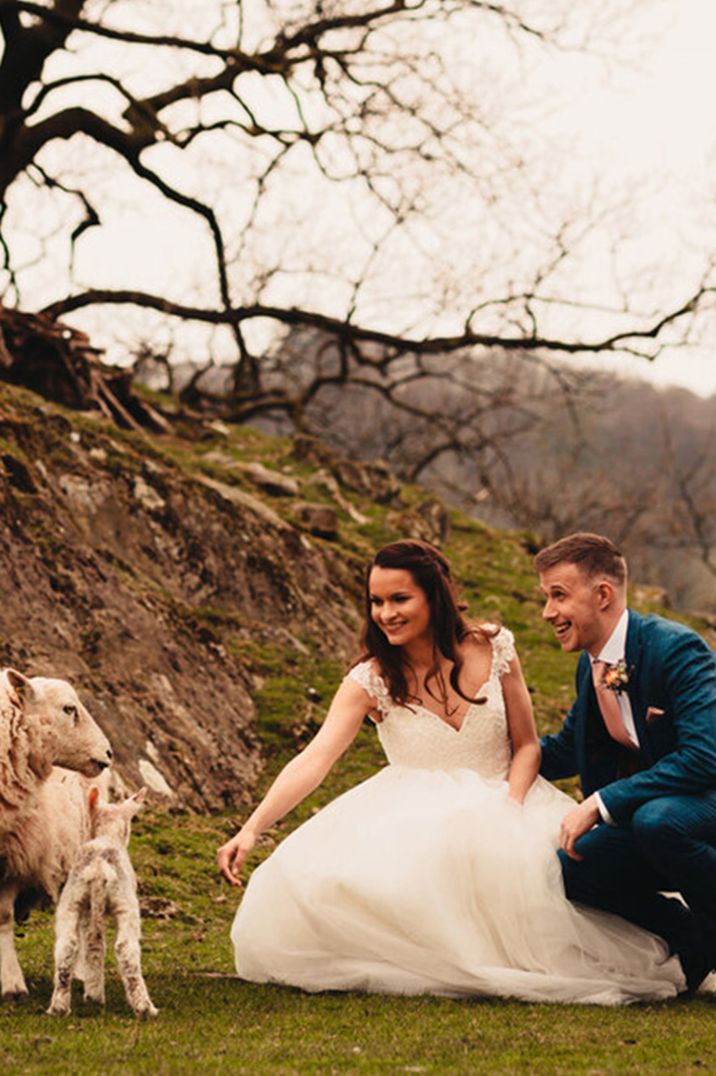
pixel 301 775
pixel 523 734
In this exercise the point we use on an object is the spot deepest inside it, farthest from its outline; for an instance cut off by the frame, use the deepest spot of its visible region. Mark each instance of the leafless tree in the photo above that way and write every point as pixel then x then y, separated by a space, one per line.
pixel 689 516
pixel 634 462
pixel 243 121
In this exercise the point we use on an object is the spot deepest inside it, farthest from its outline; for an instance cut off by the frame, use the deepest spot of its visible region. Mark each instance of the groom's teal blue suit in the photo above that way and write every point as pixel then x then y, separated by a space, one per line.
pixel 661 798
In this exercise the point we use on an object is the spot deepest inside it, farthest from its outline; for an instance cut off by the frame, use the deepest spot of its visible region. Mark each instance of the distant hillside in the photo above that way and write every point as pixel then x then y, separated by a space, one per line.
pixel 202 589
pixel 531 442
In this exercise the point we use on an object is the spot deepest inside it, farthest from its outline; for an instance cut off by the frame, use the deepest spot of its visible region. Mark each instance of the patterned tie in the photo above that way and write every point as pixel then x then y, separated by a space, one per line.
pixel 609 705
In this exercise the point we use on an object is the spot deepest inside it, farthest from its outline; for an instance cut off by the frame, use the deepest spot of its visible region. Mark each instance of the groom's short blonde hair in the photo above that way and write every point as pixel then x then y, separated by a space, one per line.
pixel 594 554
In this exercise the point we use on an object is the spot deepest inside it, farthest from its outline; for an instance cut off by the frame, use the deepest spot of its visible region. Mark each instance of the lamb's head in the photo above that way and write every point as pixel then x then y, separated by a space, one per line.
pixel 114 819
pixel 76 741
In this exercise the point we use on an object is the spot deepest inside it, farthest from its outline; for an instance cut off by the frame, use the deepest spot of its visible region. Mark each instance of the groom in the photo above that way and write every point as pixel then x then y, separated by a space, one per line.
pixel 641 735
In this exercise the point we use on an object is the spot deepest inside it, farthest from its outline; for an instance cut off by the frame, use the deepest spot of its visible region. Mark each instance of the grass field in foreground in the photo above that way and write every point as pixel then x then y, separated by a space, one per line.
pixel 210 1022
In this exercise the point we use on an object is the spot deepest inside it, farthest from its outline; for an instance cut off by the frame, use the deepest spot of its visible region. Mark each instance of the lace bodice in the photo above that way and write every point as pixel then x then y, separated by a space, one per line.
pixel 414 736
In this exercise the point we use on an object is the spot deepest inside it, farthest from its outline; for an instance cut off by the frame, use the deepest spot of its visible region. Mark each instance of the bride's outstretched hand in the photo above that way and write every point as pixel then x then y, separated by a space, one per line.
pixel 231 855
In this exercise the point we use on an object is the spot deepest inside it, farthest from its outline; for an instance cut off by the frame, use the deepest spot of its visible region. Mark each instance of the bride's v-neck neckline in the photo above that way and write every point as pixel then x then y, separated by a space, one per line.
pixel 471 706
pixel 441 720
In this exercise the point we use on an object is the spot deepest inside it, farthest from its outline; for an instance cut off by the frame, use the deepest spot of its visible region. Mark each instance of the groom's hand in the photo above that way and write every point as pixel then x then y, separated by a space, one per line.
pixel 576 823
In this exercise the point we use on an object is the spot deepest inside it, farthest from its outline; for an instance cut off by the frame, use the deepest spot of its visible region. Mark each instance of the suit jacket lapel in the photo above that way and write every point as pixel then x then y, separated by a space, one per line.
pixel 637 688
pixel 632 648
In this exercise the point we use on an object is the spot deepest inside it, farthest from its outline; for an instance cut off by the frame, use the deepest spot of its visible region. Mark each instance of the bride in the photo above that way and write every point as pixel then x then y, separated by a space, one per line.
pixel 438 874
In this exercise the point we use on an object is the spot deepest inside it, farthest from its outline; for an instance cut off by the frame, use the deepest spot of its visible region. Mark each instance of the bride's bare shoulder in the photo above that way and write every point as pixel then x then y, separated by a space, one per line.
pixel 478 640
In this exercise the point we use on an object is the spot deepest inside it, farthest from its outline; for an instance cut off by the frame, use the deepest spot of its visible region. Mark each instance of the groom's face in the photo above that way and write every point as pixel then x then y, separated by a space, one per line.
pixel 573 606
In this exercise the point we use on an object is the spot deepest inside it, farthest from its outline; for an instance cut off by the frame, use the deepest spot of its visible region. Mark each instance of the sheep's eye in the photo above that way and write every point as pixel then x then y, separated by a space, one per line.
pixel 70 710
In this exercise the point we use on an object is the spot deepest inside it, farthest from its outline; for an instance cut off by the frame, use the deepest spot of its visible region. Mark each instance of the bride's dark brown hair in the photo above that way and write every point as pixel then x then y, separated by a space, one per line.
pixel 431 572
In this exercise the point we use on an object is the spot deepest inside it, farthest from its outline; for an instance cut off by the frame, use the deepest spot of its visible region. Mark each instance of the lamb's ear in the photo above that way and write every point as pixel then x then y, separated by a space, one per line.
pixel 22 690
pixel 93 799
pixel 137 799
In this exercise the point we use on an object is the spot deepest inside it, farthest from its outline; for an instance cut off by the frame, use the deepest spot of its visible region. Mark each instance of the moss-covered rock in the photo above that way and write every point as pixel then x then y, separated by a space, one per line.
pixel 129 573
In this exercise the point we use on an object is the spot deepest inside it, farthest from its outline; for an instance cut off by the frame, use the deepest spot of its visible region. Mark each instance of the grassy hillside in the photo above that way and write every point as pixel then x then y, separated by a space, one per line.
pixel 210 1022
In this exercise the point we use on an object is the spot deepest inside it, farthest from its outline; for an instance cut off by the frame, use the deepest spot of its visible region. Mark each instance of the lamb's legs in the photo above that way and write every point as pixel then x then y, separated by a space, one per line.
pixel 129 961
pixel 80 972
pixel 12 981
pixel 93 952
pixel 66 950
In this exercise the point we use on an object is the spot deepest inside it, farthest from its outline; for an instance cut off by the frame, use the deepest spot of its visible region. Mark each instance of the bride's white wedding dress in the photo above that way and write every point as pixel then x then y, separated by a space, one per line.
pixel 426 878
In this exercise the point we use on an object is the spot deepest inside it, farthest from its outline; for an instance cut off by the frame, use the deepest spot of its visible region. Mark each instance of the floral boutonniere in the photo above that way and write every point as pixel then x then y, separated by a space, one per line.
pixel 616 676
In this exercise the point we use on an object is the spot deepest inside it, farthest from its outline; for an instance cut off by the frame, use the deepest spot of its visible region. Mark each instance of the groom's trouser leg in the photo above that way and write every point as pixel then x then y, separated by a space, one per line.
pixel 677 836
pixel 614 876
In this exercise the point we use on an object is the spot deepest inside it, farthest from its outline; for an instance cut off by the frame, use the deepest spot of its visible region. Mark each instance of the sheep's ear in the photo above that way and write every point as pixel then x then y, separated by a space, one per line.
pixel 22 689
pixel 93 799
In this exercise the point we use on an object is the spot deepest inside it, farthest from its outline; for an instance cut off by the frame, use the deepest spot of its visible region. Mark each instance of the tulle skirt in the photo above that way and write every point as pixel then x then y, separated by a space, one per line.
pixel 429 881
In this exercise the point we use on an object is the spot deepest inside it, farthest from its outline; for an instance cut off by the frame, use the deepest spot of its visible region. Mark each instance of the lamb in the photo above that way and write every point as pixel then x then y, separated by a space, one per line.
pixel 101 880
pixel 45 732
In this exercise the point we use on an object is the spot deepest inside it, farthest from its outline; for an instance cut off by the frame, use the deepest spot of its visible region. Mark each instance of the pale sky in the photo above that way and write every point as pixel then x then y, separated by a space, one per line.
pixel 658 117
pixel 648 121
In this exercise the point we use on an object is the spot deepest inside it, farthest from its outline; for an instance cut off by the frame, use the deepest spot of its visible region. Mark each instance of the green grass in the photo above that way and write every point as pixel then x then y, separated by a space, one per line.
pixel 210 1022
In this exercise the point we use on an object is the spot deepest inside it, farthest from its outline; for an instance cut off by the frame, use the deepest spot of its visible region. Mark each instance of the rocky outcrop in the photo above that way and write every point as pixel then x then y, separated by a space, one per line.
pixel 58 361
pixel 319 519
pixel 142 580
pixel 372 478
pixel 429 521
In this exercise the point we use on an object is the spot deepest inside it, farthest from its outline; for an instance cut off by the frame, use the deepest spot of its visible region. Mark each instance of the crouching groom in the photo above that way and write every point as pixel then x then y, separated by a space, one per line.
pixel 641 735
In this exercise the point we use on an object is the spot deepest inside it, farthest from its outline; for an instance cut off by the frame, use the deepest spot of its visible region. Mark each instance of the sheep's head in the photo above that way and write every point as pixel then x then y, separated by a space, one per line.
pixel 114 819
pixel 78 742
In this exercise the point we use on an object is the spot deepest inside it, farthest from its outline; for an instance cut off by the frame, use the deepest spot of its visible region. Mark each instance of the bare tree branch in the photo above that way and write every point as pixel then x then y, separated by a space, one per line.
pixel 244 122
pixel 397 344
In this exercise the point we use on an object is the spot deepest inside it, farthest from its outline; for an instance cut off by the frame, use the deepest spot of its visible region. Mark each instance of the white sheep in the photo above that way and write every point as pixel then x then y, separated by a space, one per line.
pixel 45 732
pixel 101 882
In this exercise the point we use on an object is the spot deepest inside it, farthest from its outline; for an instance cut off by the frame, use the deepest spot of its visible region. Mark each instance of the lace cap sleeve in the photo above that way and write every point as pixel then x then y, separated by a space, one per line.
pixel 503 651
pixel 371 682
